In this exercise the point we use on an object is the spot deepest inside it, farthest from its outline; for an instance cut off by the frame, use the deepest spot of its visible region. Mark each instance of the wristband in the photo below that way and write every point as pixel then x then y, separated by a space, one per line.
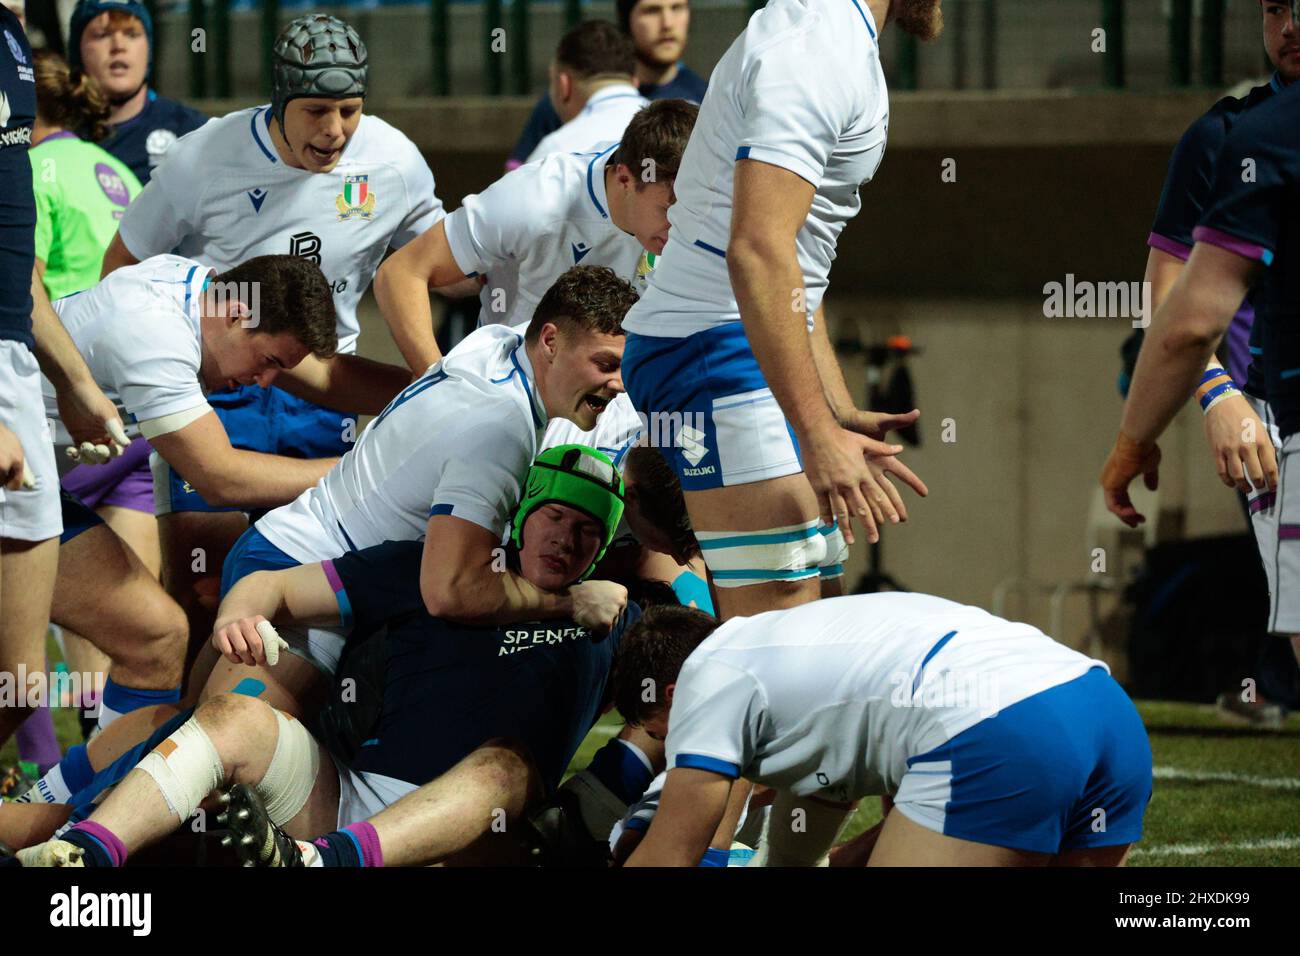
pixel 1216 385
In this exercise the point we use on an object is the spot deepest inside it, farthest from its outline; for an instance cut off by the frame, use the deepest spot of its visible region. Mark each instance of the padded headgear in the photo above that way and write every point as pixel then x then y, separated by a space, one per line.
pixel 317 55
pixel 581 478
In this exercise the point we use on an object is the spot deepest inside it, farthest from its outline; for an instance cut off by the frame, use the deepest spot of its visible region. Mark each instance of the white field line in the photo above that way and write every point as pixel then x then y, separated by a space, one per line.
pixel 1197 849
pixel 1197 776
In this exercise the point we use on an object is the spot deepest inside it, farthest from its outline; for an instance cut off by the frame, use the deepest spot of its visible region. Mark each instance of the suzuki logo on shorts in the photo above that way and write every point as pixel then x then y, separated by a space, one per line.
pixel 305 245
pixel 691 442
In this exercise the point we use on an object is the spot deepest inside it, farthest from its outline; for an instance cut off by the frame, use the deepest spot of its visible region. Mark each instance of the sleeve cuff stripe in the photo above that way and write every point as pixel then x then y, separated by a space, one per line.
pixel 711 764
pixel 340 592
pixel 1170 246
pixel 1247 250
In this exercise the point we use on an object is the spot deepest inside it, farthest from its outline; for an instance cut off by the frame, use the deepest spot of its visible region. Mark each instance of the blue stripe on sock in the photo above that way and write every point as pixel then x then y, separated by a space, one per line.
pixel 123 700
pixel 76 768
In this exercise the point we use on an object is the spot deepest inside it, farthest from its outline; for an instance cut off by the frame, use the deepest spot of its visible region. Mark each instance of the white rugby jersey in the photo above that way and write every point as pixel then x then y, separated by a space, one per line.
pixel 138 330
pixel 223 196
pixel 458 441
pixel 801 88
pixel 833 697
pixel 603 119
pixel 534 224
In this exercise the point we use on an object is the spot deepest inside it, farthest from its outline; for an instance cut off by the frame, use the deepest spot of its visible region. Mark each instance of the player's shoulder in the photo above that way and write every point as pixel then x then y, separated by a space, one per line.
pixel 175 115
pixel 377 140
pixel 217 141
pixel 550 186
pixel 1273 123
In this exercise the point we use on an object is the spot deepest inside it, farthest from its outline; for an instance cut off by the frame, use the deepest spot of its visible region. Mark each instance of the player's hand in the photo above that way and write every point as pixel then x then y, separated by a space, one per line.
pixel 248 640
pixel 14 473
pixel 93 422
pixel 846 470
pixel 877 424
pixel 1243 452
pixel 1127 460
pixel 597 605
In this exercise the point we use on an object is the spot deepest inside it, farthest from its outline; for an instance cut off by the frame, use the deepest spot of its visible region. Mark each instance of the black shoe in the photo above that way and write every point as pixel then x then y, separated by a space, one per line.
pixel 256 840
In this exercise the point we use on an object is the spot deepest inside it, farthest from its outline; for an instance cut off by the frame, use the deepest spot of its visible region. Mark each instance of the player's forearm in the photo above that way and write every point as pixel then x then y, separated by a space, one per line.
pixel 482 596
pixel 1180 342
pixel 347 382
pixel 769 286
pixel 299 595
pixel 253 480
pixel 403 297
pixel 55 351
pixel 828 368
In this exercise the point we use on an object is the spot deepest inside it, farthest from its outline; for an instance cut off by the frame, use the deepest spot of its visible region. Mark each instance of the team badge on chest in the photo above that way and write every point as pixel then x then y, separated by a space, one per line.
pixel 356 200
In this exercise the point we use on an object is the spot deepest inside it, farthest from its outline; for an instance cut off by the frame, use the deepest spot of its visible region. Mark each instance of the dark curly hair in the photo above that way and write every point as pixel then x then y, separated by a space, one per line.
pixel 290 295
pixel 651 655
pixel 590 298
pixel 653 143
pixel 659 496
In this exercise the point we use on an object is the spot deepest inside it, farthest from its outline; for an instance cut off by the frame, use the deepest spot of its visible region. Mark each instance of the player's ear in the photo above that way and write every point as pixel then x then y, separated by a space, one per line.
pixel 668 696
pixel 549 339
pixel 238 312
pixel 564 80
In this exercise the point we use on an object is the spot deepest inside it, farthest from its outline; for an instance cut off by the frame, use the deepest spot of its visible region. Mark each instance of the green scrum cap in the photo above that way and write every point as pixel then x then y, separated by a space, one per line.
pixel 579 477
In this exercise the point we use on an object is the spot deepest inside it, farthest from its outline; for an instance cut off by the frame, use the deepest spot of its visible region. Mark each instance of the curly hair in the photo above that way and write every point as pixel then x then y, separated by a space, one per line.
pixel 659 496
pixel 589 298
pixel 651 655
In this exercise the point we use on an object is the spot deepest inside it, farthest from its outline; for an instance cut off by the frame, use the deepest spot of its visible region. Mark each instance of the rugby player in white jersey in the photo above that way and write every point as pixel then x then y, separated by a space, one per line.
pixel 308 175
pixel 605 208
pixel 591 88
pixel 443 462
pixel 793 123
pixel 191 332
pixel 999 746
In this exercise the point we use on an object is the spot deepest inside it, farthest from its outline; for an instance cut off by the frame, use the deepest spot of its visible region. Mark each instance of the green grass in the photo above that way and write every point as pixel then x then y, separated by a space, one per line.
pixel 1216 819
pixel 1217 815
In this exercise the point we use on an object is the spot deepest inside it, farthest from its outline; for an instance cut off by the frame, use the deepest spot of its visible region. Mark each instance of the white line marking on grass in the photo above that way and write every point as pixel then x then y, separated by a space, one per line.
pixel 606 731
pixel 1197 849
pixel 1199 776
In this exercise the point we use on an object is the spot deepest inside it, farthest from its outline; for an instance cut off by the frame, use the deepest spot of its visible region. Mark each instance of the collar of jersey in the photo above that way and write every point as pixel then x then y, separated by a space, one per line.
pixel 596 184
pixel 522 369
pixel 865 19
pixel 623 91
pixel 1276 82
pixel 268 150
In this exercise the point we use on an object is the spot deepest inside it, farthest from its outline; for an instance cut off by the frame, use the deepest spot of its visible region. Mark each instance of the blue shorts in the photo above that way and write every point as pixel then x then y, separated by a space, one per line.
pixel 252 552
pixel 269 420
pixel 1068 768
pixel 78 518
pixel 708 408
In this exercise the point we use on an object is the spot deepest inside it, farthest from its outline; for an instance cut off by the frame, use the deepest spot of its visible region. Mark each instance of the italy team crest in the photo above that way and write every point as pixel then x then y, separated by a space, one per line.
pixel 356 200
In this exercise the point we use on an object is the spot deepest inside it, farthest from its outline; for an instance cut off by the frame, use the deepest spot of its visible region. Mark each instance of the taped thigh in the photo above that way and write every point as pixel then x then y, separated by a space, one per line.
pixel 740 558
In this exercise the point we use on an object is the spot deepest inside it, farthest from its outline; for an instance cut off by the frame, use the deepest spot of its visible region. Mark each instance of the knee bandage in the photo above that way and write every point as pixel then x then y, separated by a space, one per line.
pixel 799 832
pixel 292 771
pixel 186 767
pixel 740 558
pixel 837 552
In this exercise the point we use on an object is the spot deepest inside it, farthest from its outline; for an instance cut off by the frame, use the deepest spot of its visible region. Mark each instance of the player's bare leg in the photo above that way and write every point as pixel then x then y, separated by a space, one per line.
pixel 469 815
pixel 756 507
pixel 26 824
pixel 27 573
pixel 294 685
pixel 194 545
pixel 1094 856
pixel 905 843
pixel 106 593
pixel 231 739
